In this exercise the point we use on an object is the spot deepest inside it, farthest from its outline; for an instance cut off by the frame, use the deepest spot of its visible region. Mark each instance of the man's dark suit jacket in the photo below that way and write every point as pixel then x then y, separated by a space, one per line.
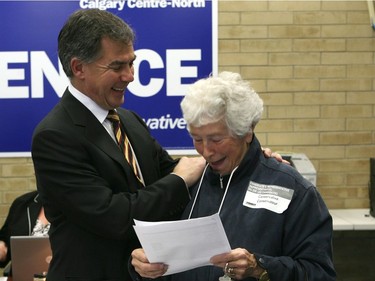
pixel 21 219
pixel 91 195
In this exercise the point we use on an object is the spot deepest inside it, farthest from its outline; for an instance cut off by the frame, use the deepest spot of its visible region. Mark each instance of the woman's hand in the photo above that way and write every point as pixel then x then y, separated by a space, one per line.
pixel 238 264
pixel 144 267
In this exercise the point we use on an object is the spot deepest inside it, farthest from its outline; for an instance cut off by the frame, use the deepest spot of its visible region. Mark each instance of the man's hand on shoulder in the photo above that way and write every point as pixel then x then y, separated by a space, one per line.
pixel 268 153
pixel 190 169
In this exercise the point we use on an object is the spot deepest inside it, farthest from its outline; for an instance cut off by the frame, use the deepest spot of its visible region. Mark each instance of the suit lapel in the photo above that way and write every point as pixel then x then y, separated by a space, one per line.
pixel 93 130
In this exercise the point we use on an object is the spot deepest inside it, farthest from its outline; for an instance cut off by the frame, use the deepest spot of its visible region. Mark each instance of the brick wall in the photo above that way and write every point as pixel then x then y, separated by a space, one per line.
pixel 16 178
pixel 313 64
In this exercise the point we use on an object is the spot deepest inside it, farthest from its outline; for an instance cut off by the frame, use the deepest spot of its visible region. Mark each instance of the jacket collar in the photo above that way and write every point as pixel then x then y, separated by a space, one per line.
pixel 91 127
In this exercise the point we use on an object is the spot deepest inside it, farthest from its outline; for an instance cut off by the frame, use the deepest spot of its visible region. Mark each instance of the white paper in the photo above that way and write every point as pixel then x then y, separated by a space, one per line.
pixel 183 244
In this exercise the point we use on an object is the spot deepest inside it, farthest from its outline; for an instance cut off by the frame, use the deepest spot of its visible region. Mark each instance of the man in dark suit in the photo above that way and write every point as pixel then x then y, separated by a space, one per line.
pixel 89 190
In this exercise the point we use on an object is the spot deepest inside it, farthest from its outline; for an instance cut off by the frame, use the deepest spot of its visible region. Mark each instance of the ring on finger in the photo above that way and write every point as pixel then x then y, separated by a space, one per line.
pixel 231 272
pixel 226 268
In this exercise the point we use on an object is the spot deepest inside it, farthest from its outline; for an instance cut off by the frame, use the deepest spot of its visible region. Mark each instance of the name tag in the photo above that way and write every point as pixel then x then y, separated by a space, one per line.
pixel 271 197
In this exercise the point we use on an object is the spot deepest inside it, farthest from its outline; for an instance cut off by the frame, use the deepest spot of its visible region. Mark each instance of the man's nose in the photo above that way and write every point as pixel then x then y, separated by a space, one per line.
pixel 127 74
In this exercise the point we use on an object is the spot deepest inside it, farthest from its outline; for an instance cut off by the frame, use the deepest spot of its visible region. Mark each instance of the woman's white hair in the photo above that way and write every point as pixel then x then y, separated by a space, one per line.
pixel 224 97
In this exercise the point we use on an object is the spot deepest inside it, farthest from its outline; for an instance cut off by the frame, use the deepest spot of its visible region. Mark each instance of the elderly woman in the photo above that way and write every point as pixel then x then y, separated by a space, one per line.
pixel 277 224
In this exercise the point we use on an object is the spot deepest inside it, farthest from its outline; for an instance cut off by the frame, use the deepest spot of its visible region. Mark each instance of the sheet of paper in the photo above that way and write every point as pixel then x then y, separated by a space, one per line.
pixel 183 244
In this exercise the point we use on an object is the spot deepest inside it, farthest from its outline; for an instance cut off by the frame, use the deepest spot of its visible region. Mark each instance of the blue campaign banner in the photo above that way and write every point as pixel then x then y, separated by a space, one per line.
pixel 176 44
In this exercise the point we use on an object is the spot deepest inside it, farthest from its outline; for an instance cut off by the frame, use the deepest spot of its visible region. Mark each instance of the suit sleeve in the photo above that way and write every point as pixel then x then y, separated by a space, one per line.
pixel 81 183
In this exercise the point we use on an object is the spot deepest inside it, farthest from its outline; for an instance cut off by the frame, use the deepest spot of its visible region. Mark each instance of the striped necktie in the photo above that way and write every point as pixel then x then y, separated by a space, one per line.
pixel 123 142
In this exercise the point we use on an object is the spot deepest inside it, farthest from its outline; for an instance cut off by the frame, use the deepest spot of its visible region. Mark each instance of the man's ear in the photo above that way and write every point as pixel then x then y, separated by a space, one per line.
pixel 77 67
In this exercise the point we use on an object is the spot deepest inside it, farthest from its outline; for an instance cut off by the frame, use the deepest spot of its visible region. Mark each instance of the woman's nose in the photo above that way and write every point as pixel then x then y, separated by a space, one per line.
pixel 207 149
